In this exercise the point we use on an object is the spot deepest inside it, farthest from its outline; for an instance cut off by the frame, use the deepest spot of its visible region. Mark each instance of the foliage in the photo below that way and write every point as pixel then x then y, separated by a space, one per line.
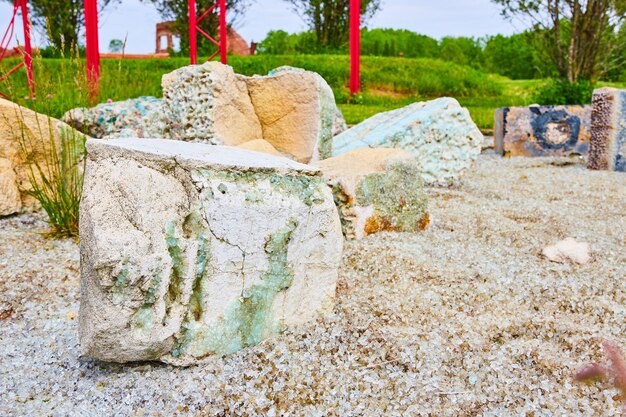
pixel 397 42
pixel 279 42
pixel 116 45
pixel 56 174
pixel 178 11
pixel 329 19
pixel 563 92
pixel 576 35
pixel 514 57
pixel 462 51
pixel 61 21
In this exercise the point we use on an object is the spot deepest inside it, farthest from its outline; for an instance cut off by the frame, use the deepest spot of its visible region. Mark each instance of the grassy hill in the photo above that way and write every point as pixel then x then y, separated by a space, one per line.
pixel 388 83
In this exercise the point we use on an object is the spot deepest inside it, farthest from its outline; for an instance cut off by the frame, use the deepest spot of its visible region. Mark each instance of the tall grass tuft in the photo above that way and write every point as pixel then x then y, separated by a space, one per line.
pixel 55 157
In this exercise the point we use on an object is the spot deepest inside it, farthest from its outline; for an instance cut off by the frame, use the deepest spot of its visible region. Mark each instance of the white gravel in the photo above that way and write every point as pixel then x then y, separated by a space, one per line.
pixel 464 319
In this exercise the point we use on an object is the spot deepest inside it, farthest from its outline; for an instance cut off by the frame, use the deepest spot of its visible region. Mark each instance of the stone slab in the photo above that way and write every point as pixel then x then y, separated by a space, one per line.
pixel 191 250
pixel 608 130
pixel 542 130
pixel 439 134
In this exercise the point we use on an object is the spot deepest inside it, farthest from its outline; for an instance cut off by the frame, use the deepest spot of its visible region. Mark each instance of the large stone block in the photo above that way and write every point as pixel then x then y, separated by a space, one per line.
pixel 297 112
pixel 189 250
pixel 209 102
pixel 134 118
pixel 608 130
pixel 542 130
pixel 377 190
pixel 440 135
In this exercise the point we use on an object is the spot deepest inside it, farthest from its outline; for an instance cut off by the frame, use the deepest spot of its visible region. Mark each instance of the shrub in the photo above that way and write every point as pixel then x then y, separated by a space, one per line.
pixel 563 92
pixel 55 173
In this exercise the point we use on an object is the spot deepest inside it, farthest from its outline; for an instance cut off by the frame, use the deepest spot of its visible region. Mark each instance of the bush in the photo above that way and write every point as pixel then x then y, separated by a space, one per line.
pixel 56 173
pixel 563 92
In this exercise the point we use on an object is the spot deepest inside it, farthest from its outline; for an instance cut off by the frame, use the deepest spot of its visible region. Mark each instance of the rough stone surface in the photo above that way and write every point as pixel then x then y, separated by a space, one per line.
pixel 189 250
pixel 542 130
pixel 140 117
pixel 297 112
pixel 440 134
pixel 21 126
pixel 260 145
pixel 209 102
pixel 608 130
pixel 568 251
pixel 377 190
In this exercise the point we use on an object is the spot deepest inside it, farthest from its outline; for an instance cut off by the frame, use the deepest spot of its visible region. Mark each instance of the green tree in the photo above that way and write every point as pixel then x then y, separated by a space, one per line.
pixel 62 21
pixel 329 19
pixel 514 57
pixel 410 44
pixel 578 36
pixel 178 11
pixel 116 45
pixel 462 50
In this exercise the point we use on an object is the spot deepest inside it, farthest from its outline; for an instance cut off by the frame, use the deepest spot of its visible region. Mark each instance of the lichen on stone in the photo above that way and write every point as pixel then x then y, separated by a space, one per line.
pixel 397 197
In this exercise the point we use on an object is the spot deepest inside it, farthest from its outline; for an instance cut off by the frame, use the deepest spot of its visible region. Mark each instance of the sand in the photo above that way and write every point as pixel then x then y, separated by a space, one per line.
pixel 464 319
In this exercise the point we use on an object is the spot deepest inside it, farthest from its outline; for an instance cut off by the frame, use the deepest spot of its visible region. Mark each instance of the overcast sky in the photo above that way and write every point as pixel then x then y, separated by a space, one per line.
pixel 436 18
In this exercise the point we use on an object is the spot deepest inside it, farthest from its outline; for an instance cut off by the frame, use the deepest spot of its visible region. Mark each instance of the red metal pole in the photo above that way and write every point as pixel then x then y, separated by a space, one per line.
pixel 91 44
pixel 28 50
pixel 223 32
pixel 193 43
pixel 355 46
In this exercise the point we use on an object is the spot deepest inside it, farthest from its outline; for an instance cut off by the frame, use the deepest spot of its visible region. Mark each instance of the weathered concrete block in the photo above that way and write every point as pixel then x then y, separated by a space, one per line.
pixel 140 117
pixel 189 250
pixel 297 111
pixel 377 190
pixel 542 130
pixel 608 130
pixel 209 102
pixel 440 134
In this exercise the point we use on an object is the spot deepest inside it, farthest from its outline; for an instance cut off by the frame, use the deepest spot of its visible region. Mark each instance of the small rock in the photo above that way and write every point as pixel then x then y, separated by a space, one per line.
pixel 568 251
pixel 377 190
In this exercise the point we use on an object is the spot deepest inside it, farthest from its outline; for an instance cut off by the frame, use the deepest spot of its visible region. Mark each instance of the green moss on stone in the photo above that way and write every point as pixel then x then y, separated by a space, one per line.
pixel 175 287
pixel 249 320
pixel 397 195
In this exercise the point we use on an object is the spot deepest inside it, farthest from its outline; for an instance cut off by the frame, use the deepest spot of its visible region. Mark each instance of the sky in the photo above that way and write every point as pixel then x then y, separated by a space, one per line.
pixel 136 21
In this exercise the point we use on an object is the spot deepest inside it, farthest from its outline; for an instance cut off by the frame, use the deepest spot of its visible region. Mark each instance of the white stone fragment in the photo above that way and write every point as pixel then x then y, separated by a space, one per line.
pixel 568 251
pixel 189 250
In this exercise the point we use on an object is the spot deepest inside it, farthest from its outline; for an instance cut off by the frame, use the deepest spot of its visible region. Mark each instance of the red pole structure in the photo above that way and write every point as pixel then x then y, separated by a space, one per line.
pixel 223 33
pixel 355 46
pixel 28 50
pixel 91 44
pixel 193 42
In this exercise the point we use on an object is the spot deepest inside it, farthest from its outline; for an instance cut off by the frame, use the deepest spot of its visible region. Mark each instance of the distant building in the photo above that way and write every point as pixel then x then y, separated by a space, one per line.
pixel 165 33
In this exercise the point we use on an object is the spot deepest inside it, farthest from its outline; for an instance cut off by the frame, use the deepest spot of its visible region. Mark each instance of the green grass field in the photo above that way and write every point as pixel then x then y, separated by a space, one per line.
pixel 388 83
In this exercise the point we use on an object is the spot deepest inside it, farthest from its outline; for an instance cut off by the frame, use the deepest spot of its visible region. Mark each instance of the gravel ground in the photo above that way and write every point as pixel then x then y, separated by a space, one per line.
pixel 463 319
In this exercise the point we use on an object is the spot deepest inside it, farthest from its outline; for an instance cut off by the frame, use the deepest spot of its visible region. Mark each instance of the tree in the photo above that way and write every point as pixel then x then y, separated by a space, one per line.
pixel 178 11
pixel 329 19
pixel 577 36
pixel 116 46
pixel 61 21
pixel 514 57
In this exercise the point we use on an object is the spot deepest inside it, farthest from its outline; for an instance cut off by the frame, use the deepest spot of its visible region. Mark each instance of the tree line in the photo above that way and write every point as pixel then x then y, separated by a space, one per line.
pixel 569 40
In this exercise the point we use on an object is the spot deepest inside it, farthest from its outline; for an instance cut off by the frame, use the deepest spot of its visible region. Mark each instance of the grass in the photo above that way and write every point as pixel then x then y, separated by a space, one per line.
pixel 388 83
